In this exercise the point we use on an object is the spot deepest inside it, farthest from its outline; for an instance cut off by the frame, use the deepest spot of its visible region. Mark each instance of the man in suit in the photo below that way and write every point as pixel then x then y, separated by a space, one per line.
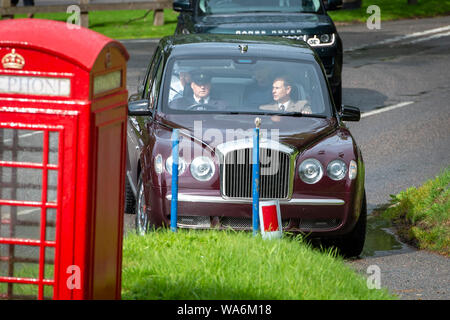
pixel 281 93
pixel 200 99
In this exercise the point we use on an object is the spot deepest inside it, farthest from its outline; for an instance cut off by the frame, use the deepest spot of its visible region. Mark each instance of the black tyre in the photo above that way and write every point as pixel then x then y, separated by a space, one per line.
pixel 142 219
pixel 130 200
pixel 352 244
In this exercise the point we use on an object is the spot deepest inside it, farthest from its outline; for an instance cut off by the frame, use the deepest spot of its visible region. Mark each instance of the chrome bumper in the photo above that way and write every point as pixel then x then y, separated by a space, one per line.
pixel 214 199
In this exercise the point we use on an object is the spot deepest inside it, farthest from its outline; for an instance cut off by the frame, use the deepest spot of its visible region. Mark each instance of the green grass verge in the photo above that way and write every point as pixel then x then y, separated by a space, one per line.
pixel 123 24
pixel 393 10
pixel 26 270
pixel 117 25
pixel 422 215
pixel 218 265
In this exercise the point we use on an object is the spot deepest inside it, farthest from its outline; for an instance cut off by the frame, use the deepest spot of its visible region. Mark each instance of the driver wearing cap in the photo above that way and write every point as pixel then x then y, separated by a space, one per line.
pixel 200 99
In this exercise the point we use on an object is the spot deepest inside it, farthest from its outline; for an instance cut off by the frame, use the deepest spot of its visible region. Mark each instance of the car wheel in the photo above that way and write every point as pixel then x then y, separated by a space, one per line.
pixel 142 220
pixel 130 200
pixel 351 245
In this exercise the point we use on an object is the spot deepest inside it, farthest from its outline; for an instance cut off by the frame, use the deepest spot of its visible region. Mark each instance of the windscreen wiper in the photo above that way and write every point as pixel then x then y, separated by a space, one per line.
pixel 296 114
pixel 289 114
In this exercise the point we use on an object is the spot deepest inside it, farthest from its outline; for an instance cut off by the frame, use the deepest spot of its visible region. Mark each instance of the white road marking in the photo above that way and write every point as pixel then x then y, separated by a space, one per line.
pixel 401 38
pixel 415 35
pixel 389 108
pixel 436 36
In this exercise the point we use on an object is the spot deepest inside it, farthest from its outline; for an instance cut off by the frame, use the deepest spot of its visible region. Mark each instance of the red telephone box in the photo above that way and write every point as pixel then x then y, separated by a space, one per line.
pixel 63 109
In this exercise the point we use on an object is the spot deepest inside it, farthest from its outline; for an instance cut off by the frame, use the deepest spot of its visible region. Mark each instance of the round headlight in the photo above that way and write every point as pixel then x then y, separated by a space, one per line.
pixel 325 38
pixel 202 168
pixel 310 171
pixel 181 165
pixel 337 170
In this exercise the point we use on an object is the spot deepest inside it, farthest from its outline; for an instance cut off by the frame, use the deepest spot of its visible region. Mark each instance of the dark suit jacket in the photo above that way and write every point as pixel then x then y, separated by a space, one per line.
pixel 186 102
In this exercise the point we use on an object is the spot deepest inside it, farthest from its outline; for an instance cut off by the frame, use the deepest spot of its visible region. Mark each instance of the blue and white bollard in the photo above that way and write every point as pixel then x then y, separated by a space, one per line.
pixel 255 177
pixel 174 201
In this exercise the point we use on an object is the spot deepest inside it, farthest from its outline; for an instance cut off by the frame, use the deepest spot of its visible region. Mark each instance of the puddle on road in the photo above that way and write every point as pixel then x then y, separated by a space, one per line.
pixel 381 239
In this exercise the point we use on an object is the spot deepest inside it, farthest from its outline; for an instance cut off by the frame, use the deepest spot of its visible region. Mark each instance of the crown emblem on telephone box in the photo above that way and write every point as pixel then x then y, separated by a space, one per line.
pixel 13 60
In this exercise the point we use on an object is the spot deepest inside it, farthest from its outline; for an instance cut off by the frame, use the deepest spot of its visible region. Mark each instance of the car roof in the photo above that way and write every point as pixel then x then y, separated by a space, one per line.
pixel 229 45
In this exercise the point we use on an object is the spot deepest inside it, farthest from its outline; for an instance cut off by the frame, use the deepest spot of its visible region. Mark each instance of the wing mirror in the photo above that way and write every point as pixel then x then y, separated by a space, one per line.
pixel 349 113
pixel 139 108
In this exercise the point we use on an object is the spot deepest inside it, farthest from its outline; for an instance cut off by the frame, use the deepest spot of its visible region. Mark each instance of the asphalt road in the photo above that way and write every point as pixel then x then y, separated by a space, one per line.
pixel 402 70
pixel 408 145
pixel 405 146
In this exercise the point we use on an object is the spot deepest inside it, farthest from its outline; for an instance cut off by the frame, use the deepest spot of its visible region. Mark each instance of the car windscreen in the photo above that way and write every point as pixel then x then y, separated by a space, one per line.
pixel 245 85
pixel 206 7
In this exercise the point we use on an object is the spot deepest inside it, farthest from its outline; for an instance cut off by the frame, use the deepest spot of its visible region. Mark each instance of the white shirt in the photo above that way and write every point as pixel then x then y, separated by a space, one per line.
pixel 286 105
pixel 205 100
pixel 176 89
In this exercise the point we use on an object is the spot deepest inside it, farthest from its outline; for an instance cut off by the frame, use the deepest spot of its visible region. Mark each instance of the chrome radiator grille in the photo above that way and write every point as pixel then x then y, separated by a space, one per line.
pixel 236 173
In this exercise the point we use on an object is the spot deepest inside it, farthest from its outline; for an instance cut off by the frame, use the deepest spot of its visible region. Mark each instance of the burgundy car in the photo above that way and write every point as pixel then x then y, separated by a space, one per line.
pixel 211 88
